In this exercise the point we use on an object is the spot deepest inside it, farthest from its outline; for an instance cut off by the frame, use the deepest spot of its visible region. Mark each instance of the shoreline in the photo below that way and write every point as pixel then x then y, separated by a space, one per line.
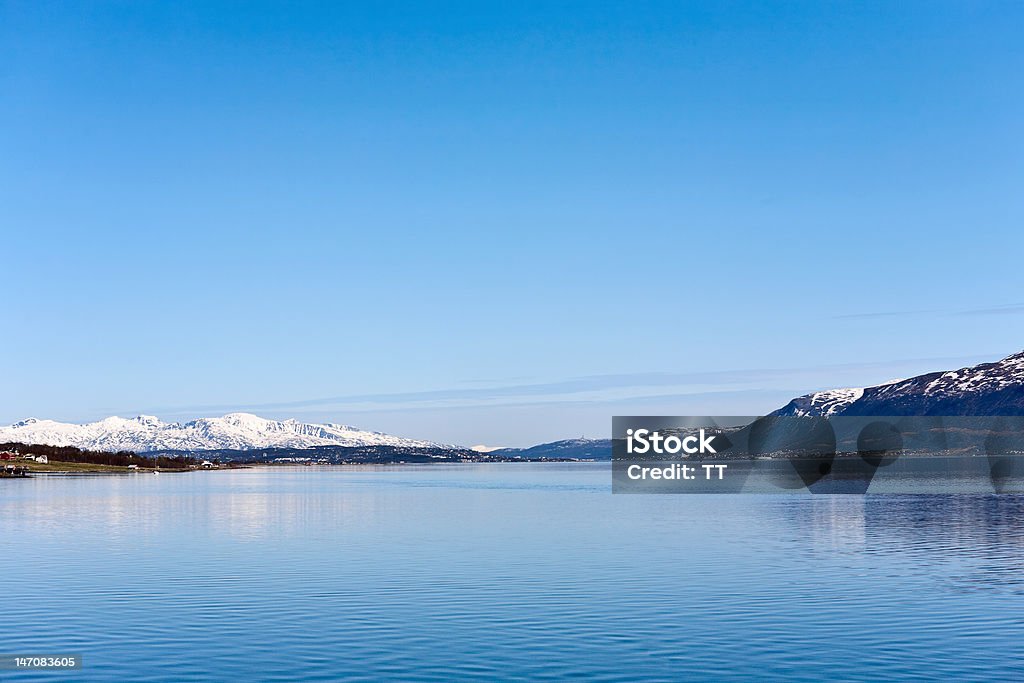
pixel 67 469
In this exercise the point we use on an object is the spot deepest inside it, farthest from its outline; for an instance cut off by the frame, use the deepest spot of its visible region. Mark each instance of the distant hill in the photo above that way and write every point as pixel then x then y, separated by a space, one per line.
pixel 577 449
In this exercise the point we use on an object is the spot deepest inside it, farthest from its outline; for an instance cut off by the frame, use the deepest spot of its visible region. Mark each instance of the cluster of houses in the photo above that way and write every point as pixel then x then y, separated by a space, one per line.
pixel 11 467
pixel 7 457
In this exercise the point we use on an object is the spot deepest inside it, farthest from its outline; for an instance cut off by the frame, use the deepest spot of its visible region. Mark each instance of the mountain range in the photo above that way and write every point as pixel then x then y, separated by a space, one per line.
pixel 235 431
pixel 986 389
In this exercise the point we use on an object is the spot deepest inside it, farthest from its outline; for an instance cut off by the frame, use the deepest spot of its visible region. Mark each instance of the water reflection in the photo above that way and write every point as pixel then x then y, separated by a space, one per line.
pixel 491 572
pixel 836 523
pixel 962 541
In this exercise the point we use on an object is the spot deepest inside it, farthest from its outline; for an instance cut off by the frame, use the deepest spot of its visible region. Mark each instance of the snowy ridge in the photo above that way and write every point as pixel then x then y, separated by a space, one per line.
pixel 986 389
pixel 235 431
pixel 978 378
pixel 825 402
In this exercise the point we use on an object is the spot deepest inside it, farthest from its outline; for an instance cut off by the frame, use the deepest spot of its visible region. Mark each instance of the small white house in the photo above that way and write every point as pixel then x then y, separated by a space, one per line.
pixel 133 467
pixel 42 460
pixel 207 465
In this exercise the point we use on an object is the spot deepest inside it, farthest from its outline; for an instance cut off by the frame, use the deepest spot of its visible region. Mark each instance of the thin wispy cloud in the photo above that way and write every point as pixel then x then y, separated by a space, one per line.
pixel 1008 309
pixel 883 314
pixel 594 388
pixel 1003 309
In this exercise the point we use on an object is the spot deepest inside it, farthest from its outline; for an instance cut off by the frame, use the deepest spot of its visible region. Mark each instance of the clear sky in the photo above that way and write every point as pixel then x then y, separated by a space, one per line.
pixel 501 223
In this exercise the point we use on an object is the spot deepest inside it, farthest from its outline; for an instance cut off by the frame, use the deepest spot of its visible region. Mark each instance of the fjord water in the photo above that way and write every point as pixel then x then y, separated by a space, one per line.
pixel 502 571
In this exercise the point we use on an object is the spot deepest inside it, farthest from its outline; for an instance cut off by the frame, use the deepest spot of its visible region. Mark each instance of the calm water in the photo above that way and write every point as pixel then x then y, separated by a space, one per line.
pixel 502 571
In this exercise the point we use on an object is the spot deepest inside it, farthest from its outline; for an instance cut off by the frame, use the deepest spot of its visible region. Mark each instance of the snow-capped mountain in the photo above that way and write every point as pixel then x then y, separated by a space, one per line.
pixel 238 431
pixel 986 389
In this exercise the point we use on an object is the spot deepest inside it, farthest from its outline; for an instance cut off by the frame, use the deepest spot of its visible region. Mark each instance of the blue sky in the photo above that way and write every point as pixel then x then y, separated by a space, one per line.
pixel 501 222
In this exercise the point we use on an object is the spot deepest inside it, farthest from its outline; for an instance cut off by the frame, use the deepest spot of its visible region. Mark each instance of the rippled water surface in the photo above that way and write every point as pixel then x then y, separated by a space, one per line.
pixel 502 571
